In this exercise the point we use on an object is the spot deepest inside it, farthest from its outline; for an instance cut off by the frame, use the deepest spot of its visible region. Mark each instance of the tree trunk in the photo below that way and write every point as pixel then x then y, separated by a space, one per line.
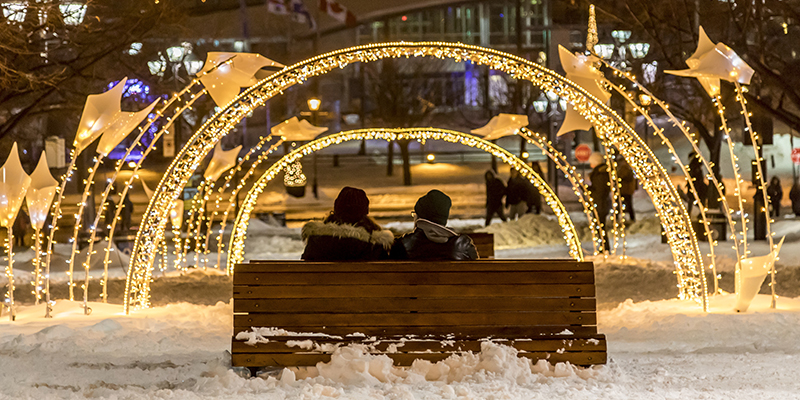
pixel 406 161
pixel 390 159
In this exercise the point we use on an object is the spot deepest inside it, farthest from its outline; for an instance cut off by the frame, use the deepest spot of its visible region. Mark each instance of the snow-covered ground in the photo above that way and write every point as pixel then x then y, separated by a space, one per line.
pixel 657 350
pixel 659 347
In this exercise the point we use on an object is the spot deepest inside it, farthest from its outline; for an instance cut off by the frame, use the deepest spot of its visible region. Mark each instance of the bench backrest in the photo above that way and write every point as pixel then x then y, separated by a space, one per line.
pixel 498 298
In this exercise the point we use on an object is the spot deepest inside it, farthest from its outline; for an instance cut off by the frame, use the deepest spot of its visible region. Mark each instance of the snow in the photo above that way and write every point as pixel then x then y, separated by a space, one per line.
pixel 658 347
pixel 665 349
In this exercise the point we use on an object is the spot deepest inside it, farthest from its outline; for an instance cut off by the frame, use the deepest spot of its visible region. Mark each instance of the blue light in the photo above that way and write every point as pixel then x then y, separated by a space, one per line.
pixel 502 15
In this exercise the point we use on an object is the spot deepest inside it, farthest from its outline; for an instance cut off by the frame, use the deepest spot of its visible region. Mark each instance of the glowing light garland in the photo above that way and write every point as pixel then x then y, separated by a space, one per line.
pixel 608 125
pixel 576 179
pixel 238 235
pixel 681 125
pixel 230 175
pixel 235 194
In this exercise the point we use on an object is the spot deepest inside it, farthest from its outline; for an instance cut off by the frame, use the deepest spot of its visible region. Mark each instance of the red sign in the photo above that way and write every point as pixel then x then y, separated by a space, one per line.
pixel 796 156
pixel 583 151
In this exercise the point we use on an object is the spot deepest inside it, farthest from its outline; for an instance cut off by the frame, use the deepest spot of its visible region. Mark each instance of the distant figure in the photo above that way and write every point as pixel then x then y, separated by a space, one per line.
pixel 601 189
pixel 108 216
pixel 127 212
pixel 20 228
pixel 347 233
pixel 517 194
pixel 627 186
pixel 431 239
pixel 534 197
pixel 698 177
pixel 495 190
pixel 775 194
pixel 794 196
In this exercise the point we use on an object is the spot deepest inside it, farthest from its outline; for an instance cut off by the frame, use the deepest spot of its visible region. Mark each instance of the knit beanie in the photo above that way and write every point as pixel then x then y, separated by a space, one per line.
pixel 352 205
pixel 434 206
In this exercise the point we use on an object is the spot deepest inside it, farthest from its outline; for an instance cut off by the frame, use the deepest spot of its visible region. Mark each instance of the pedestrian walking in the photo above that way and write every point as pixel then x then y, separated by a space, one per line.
pixel 698 177
pixel 794 196
pixel 600 189
pixel 534 198
pixel 775 194
pixel 517 193
pixel 495 191
pixel 627 186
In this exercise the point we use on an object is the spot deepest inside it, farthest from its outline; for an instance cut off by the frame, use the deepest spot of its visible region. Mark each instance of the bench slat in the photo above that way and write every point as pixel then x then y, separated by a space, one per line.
pixel 344 291
pixel 406 359
pixel 409 278
pixel 569 344
pixel 404 304
pixel 403 266
pixel 419 319
pixel 460 331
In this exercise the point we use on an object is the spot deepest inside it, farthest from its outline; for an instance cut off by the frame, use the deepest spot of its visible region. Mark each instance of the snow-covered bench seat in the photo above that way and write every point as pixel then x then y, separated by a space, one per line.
pixel 295 313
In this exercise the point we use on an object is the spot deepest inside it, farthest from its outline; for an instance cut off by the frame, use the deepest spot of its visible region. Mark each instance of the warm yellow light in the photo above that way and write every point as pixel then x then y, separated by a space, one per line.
pixel 525 155
pixel 132 164
pixel 431 158
pixel 645 100
pixel 314 103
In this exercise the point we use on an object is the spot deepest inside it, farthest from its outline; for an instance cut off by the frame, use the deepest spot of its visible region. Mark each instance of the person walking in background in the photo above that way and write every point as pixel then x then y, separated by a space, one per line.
pixel 127 212
pixel 495 190
pixel 516 195
pixel 347 233
pixel 627 186
pixel 794 196
pixel 775 194
pixel 698 177
pixel 534 198
pixel 431 239
pixel 600 189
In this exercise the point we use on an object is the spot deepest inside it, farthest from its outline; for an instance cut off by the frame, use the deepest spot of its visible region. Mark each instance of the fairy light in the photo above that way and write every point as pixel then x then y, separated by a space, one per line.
pixel 609 126
pixel 671 149
pixel 37 266
pixel 762 184
pixel 9 300
pixel 57 214
pixel 196 203
pixel 578 184
pixel 238 235
pixel 227 183
pixel 235 194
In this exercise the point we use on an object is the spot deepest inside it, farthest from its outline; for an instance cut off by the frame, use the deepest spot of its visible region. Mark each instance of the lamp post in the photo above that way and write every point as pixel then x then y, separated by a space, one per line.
pixel 645 102
pixel 547 105
pixel 313 105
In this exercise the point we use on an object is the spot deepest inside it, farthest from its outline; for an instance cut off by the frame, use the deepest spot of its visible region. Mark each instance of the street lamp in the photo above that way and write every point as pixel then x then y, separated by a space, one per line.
pixel 313 105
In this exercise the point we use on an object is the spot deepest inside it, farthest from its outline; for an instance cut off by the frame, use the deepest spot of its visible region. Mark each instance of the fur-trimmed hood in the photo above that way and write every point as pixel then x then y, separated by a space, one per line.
pixel 316 228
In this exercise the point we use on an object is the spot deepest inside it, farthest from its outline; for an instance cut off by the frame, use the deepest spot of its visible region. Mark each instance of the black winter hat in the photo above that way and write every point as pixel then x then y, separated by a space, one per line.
pixel 434 206
pixel 352 205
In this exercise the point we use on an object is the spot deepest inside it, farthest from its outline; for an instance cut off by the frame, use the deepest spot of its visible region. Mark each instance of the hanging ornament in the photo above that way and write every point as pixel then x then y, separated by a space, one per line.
pixel 294 179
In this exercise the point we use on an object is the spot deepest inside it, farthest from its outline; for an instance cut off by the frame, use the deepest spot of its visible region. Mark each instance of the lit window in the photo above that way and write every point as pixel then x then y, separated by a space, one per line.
pixel 73 13
pixel 135 48
pixel 15 11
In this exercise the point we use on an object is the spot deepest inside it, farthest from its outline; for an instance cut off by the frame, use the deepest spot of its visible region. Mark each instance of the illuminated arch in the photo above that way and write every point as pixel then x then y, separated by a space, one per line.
pixel 236 252
pixel 609 126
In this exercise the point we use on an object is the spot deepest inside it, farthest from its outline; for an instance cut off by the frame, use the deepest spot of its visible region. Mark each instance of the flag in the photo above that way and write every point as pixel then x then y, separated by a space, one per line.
pixel 338 12
pixel 277 7
pixel 301 14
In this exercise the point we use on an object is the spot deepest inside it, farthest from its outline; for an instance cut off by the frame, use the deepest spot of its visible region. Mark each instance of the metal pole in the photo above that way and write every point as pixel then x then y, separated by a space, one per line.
pixel 315 188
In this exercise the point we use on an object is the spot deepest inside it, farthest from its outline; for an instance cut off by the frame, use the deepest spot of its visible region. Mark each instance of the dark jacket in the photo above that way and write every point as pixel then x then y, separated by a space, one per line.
pixel 794 196
pixel 626 177
pixel 600 188
pixel 431 241
pixel 517 190
pixel 775 192
pixel 495 190
pixel 331 242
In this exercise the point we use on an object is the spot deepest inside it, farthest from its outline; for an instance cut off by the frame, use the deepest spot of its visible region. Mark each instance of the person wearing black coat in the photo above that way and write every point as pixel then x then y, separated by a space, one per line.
pixel 495 191
pixel 601 190
pixel 534 198
pixel 348 233
pixel 775 194
pixel 431 239
pixel 794 196
pixel 517 194
pixel 698 177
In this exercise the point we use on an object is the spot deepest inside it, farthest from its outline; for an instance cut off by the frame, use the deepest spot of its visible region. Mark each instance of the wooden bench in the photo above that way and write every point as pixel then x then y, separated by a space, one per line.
pixel 484 242
pixel 414 309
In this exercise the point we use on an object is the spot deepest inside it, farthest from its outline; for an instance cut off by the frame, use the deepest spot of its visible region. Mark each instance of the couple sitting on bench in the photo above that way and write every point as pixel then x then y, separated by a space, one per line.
pixel 348 233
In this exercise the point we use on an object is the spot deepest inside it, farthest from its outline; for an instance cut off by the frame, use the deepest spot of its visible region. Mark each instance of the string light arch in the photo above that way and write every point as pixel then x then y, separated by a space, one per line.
pixel 238 235
pixel 609 126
